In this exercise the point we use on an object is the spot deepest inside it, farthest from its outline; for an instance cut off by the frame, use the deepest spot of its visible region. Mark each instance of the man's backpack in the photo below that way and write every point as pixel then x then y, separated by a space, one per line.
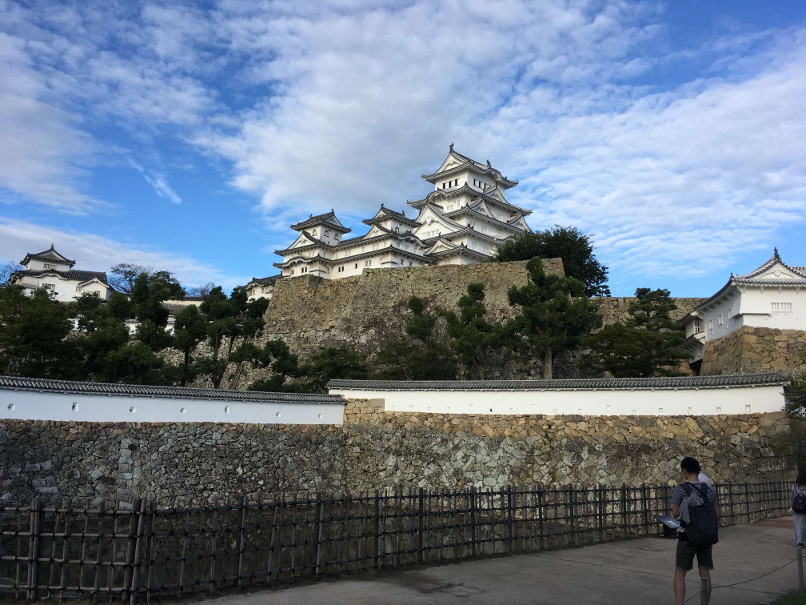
pixel 703 526
pixel 799 501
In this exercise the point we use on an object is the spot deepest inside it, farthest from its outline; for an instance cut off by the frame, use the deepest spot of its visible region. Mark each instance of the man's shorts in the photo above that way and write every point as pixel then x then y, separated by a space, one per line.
pixel 684 557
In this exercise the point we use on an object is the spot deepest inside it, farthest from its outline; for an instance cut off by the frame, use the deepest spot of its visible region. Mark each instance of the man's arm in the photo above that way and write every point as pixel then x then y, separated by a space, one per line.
pixel 676 510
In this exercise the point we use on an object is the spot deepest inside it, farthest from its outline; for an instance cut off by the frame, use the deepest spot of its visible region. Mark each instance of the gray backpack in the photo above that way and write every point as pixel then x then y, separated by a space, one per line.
pixel 703 526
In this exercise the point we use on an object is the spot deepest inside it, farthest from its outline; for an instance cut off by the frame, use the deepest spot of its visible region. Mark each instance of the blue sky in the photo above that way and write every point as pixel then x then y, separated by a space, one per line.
pixel 189 136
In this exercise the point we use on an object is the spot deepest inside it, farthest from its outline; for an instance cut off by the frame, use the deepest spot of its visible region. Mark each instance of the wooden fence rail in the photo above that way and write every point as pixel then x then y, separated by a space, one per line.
pixel 144 552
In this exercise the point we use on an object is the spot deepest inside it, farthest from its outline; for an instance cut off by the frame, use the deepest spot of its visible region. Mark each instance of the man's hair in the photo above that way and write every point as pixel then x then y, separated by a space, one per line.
pixel 690 465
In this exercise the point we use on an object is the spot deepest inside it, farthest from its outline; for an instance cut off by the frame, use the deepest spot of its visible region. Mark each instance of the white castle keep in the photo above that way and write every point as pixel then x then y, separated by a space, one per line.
pixel 461 222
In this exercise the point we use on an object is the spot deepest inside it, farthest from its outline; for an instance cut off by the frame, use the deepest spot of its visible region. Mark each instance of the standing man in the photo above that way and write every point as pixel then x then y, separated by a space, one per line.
pixel 686 494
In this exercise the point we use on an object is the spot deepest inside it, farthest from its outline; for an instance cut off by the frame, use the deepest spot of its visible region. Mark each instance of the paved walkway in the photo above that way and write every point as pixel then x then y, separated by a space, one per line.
pixel 627 573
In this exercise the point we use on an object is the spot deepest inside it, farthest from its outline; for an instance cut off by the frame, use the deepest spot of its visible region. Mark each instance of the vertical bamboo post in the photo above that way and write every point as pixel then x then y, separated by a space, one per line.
pixel 134 589
pixel 421 524
pixel 33 549
pixel 379 526
pixel 131 546
pixel 213 547
pixel 242 541
pixel 320 524
pixel 474 521
pixel 511 514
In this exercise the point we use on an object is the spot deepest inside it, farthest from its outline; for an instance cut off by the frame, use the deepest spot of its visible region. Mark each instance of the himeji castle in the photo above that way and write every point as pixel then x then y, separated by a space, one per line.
pixel 461 222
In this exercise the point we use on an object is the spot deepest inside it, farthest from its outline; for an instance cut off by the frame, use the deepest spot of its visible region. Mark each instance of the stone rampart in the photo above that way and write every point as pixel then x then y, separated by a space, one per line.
pixel 754 350
pixel 365 311
pixel 100 462
pixel 616 309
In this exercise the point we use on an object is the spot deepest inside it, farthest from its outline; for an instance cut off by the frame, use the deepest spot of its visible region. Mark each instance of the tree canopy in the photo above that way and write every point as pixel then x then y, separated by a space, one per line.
pixel 647 344
pixel 554 315
pixel 568 243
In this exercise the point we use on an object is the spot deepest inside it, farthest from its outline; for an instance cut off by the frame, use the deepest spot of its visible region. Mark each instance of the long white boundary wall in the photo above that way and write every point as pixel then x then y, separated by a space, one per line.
pixel 636 400
pixel 28 404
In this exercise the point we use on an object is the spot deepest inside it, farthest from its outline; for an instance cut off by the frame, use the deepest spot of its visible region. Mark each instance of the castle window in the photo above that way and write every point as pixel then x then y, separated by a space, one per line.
pixel 710 324
pixel 48 286
pixel 356 265
pixel 50 266
pixel 313 232
pixel 327 233
pixel 720 319
pixel 336 236
pixel 780 308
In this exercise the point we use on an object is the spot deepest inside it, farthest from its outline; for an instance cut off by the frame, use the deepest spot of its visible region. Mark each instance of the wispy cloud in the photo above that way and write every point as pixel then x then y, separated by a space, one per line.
pixel 158 183
pixel 676 157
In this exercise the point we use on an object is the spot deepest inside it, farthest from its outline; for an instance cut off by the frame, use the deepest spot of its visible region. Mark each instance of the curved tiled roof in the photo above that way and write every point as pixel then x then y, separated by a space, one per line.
pixel 328 218
pixel 17 383
pixel 47 255
pixel 72 275
pixel 576 384
pixel 468 163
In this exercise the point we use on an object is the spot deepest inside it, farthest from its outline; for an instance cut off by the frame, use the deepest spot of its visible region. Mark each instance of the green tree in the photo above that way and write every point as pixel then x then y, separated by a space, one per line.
pixel 149 292
pixel 136 363
pixel 123 277
pixel 420 355
pixel 231 323
pixel 554 315
pixel 275 355
pixel 330 363
pixel 478 344
pixel 568 243
pixel 100 331
pixel 190 329
pixel 34 335
pixel 647 344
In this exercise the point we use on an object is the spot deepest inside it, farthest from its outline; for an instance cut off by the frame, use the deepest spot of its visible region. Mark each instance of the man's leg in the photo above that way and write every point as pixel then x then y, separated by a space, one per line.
pixel 705 582
pixel 679 586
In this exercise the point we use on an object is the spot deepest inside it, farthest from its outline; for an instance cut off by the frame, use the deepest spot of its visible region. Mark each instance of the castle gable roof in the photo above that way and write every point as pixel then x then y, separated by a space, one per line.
pixel 385 214
pixel 327 219
pixel 264 281
pixel 49 255
pixel 456 162
pixel 773 273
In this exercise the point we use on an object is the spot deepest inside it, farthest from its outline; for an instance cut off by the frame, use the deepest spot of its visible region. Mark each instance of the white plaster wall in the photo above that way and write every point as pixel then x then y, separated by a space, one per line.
pixel 728 308
pixel 754 309
pixel 658 402
pixel 34 405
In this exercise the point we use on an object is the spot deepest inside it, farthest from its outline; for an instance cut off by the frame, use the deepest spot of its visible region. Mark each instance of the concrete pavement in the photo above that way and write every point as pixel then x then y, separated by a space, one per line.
pixel 754 564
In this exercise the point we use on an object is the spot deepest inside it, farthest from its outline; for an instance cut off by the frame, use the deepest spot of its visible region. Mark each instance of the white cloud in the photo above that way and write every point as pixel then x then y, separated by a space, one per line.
pixel 675 157
pixel 96 253
pixel 158 183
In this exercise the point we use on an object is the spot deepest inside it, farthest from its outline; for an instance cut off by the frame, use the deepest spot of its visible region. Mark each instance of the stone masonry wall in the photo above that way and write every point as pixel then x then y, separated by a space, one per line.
pixel 365 311
pixel 754 350
pixel 616 309
pixel 374 449
pixel 109 462
pixel 432 450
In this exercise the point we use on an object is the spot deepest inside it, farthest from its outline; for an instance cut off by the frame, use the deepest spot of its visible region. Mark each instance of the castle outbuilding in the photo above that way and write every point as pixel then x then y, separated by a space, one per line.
pixel 461 222
pixel 768 303
pixel 54 272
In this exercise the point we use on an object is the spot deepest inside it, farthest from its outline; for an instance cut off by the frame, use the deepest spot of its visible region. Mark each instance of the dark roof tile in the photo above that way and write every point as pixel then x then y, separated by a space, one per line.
pixel 677 382
pixel 137 390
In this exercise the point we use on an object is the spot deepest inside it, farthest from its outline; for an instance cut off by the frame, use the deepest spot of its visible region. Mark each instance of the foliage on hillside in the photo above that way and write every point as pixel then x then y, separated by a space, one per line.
pixel 647 344
pixel 568 243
